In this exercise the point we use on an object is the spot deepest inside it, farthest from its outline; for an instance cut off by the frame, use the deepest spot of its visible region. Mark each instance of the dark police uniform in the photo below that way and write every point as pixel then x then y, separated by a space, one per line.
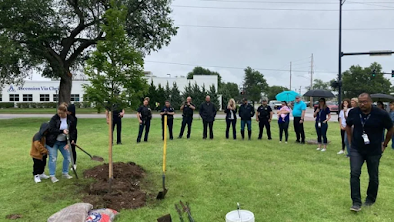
pixel 146 116
pixel 187 119
pixel 117 121
pixel 264 116
pixel 170 120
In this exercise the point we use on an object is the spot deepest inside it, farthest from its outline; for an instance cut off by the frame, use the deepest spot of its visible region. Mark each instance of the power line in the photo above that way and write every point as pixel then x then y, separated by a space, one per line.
pixel 373 4
pixel 284 28
pixel 228 67
pixel 287 2
pixel 278 9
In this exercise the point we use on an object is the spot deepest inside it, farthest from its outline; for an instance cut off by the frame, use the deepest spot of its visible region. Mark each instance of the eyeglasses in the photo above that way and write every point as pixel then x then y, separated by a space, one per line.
pixel 363 101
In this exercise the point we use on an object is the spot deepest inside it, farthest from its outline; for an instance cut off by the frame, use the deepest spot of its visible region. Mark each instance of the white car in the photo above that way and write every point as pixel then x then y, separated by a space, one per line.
pixel 275 105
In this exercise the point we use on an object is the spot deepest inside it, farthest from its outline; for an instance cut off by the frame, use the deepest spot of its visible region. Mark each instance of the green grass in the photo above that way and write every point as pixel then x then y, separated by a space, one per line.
pixel 286 182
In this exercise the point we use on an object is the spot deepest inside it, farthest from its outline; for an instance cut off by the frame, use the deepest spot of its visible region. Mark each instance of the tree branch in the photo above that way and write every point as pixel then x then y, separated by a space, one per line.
pixel 84 45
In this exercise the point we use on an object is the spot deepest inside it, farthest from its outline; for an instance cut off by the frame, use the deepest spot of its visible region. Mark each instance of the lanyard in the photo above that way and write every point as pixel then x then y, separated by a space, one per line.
pixel 320 115
pixel 364 120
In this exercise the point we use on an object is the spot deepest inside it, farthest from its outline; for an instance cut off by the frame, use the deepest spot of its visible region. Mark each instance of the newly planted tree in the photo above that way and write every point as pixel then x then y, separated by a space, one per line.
pixel 115 69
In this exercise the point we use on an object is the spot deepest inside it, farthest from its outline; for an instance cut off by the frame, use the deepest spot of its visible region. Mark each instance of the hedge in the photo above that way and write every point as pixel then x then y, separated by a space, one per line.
pixel 37 105
pixel 5 105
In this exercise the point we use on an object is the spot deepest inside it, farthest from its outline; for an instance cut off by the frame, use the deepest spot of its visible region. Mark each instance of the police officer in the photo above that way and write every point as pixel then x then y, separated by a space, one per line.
pixel 188 107
pixel 264 117
pixel 144 115
pixel 168 111
pixel 117 115
pixel 246 112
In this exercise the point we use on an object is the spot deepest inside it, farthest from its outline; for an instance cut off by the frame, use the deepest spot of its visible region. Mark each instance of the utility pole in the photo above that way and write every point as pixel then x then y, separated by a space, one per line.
pixel 341 2
pixel 311 98
pixel 290 75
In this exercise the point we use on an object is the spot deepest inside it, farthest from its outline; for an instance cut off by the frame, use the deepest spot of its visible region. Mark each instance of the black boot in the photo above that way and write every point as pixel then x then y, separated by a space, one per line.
pixel 243 134
pixel 249 133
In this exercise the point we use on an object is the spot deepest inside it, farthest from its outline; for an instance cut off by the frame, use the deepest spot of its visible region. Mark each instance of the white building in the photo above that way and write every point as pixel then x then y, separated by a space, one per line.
pixel 47 91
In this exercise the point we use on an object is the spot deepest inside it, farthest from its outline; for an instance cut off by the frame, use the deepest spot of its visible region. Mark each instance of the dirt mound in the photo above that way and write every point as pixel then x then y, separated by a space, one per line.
pixel 124 192
pixel 13 216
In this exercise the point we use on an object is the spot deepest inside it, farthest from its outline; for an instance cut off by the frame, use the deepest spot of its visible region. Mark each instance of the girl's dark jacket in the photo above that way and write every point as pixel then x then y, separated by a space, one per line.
pixel 71 108
pixel 53 131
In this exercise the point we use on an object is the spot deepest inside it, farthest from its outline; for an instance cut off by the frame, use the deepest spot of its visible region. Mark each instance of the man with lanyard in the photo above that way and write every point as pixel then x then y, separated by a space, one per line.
pixel 117 115
pixel 299 115
pixel 144 115
pixel 246 112
pixel 187 115
pixel 264 117
pixel 168 111
pixel 366 146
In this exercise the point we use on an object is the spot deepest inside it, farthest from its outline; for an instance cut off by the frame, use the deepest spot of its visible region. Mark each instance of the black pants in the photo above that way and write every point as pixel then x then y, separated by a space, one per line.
pixel 170 123
pixel 343 139
pixel 231 122
pixel 39 165
pixel 74 153
pixel 284 127
pixel 264 123
pixel 116 121
pixel 356 162
pixel 299 129
pixel 205 124
pixel 188 121
pixel 145 124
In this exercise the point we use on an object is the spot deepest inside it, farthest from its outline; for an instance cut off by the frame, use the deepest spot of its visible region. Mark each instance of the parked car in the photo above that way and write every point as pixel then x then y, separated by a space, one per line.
pixel 275 104
pixel 333 106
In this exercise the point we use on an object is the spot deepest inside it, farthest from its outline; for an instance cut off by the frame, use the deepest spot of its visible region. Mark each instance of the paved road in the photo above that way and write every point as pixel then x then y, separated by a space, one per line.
pixel 308 116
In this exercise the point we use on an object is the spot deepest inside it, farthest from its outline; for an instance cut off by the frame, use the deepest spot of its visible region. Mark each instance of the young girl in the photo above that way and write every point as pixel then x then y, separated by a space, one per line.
pixel 39 153
pixel 342 123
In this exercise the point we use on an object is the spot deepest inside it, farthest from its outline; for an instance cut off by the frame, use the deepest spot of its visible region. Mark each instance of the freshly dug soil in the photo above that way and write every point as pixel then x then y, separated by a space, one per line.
pixel 124 192
pixel 13 216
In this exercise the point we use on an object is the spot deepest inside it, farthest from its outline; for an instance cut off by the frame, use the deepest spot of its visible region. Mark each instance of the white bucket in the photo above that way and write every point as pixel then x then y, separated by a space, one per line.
pixel 246 216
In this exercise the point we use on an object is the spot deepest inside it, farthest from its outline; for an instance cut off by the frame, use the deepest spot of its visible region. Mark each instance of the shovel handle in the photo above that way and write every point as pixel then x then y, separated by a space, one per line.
pixel 83 150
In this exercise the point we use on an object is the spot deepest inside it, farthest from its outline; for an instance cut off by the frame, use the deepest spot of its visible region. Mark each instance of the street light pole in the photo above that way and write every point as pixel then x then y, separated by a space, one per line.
pixel 341 2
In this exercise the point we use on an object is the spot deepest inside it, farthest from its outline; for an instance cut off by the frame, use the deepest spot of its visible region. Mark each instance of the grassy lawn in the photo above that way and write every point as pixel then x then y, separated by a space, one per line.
pixel 285 182
pixel 51 111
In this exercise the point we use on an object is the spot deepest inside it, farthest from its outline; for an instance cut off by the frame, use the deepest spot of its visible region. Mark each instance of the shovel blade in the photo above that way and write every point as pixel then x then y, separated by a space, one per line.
pixel 165 218
pixel 162 194
pixel 97 158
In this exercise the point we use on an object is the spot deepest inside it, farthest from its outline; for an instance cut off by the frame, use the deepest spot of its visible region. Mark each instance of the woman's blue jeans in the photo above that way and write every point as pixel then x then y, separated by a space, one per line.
pixel 59 145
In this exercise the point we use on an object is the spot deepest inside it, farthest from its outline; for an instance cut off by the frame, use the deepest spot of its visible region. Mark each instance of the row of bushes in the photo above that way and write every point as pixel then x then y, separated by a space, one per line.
pixel 48 105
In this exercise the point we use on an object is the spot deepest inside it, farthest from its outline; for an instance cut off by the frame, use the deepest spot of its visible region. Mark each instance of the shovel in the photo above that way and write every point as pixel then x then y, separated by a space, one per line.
pixel 163 193
pixel 187 210
pixel 95 158
pixel 71 156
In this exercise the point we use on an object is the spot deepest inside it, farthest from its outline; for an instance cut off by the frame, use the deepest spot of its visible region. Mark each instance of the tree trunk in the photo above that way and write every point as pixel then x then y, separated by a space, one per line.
pixel 65 88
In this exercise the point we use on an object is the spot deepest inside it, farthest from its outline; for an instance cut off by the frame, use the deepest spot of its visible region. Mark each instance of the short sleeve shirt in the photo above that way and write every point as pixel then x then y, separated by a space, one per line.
pixel 374 124
pixel 322 114
pixel 146 112
pixel 264 112
pixel 298 108
pixel 169 110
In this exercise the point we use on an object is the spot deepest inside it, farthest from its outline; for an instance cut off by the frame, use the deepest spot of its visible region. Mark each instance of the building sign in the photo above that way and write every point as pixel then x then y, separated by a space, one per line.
pixel 42 88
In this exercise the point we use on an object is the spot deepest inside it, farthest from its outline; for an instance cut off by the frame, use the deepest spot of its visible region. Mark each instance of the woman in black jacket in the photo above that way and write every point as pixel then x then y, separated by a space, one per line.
pixel 74 136
pixel 60 125
pixel 231 118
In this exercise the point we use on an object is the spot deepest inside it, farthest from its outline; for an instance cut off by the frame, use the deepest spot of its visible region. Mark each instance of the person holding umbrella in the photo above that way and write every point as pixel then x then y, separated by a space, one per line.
pixel 246 112
pixel 322 115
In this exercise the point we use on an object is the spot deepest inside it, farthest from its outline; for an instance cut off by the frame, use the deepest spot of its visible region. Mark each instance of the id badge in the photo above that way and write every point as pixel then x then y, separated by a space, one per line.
pixel 366 139
pixel 319 124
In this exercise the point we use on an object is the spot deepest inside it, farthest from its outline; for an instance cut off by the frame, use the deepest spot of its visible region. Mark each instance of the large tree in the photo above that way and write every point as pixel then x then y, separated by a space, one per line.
pixel 254 84
pixel 320 84
pixel 176 98
pixel 55 36
pixel 275 90
pixel 202 71
pixel 357 80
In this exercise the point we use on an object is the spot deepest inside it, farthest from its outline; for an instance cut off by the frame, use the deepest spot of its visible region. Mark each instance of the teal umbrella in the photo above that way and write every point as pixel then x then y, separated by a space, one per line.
pixel 287 96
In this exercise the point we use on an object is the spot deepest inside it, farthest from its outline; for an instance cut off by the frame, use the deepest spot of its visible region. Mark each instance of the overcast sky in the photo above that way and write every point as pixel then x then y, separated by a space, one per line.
pixel 252 42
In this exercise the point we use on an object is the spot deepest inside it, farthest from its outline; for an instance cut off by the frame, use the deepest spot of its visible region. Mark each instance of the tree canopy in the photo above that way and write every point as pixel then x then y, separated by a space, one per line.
pixel 275 90
pixel 254 84
pixel 202 71
pixel 55 36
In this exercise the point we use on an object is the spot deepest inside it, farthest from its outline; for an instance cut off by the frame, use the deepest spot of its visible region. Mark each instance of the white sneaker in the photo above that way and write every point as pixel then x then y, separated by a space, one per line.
pixel 75 167
pixel 54 179
pixel 67 176
pixel 280 141
pixel 323 150
pixel 341 152
pixel 43 176
pixel 286 142
pixel 318 149
pixel 37 179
